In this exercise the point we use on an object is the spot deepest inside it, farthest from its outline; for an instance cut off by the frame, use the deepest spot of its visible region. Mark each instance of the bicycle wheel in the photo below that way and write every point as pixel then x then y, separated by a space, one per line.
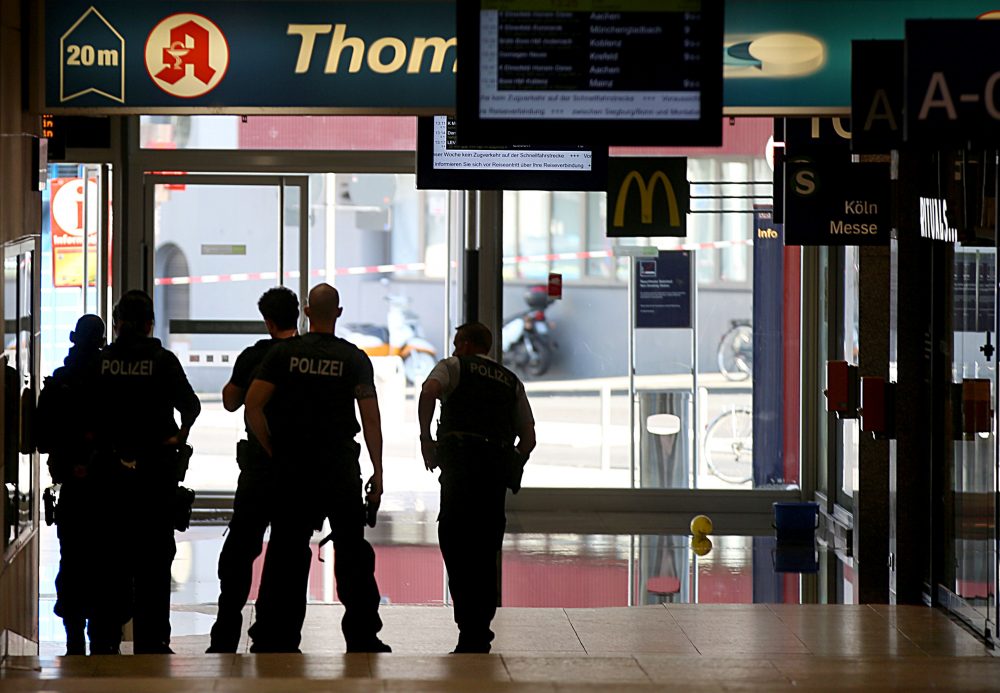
pixel 728 446
pixel 735 353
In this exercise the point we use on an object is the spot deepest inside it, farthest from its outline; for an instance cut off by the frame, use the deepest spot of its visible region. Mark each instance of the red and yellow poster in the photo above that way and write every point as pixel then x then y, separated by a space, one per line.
pixel 67 211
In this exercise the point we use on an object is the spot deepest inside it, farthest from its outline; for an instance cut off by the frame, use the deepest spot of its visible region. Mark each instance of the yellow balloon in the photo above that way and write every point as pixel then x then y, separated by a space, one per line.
pixel 701 545
pixel 701 525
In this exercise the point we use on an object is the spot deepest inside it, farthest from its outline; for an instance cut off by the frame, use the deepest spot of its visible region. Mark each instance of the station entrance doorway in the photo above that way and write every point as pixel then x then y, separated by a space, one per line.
pixel 216 242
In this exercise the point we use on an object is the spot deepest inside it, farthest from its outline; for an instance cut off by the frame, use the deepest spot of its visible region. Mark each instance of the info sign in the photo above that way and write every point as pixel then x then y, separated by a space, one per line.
pixel 68 230
pixel 663 290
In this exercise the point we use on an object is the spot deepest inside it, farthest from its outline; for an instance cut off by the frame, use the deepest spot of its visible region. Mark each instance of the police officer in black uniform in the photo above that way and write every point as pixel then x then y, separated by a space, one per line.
pixel 483 411
pixel 141 384
pixel 254 503
pixel 301 408
pixel 67 426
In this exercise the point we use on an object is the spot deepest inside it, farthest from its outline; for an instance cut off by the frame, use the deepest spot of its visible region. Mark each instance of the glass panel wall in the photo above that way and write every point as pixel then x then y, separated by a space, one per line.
pixel 972 561
pixel 577 373
pixel 579 391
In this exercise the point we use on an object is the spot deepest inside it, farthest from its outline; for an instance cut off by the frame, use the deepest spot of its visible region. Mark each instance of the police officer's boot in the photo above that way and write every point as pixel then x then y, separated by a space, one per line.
pixel 76 642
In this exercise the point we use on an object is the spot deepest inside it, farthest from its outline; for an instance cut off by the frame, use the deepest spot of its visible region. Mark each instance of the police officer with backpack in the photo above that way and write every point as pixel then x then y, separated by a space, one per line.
pixel 253 504
pixel 301 409
pixel 67 424
pixel 484 412
pixel 141 386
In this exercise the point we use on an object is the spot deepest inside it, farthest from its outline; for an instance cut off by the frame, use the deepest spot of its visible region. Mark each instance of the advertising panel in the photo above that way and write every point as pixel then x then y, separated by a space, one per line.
pixel 67 210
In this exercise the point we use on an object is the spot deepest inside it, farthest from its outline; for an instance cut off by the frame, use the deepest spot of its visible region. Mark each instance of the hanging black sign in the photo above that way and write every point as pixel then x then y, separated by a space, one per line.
pixel 830 201
pixel 952 97
pixel 876 96
pixel 647 196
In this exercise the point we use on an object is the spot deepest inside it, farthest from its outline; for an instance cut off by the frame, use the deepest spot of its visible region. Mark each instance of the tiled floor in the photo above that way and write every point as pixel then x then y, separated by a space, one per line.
pixel 687 647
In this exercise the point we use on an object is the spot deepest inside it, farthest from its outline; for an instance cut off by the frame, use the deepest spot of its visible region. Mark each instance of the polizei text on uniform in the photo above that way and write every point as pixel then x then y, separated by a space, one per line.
pixel 119 367
pixel 488 372
pixel 311 366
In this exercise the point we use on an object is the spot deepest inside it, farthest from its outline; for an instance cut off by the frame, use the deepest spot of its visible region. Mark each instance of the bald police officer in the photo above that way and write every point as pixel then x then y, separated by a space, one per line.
pixel 141 385
pixel 301 409
pixel 484 410
pixel 253 504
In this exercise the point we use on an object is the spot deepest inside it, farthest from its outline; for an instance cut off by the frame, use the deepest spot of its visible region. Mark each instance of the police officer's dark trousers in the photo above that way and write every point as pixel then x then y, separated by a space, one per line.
pixel 334 492
pixel 77 532
pixel 153 549
pixel 471 526
pixel 112 490
pixel 252 509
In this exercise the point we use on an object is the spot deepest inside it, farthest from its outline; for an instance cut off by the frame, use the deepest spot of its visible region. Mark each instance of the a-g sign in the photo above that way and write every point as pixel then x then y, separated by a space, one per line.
pixel 647 196
pixel 952 82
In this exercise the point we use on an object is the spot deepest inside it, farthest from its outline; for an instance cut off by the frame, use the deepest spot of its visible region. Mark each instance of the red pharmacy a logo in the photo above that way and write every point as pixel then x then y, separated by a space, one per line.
pixel 186 55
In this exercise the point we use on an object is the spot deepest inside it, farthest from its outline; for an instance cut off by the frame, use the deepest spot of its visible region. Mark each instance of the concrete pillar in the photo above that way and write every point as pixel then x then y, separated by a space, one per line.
pixel 871 499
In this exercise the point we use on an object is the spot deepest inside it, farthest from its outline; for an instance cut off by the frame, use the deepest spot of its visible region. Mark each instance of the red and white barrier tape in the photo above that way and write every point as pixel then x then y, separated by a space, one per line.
pixel 419 266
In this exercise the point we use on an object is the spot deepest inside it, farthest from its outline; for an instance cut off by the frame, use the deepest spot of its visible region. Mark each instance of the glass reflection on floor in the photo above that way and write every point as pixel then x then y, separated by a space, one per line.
pixel 538 570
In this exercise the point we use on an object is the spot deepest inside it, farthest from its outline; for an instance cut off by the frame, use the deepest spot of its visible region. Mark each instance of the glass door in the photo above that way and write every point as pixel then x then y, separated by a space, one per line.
pixel 392 251
pixel 219 242
pixel 21 365
pixel 76 205
pixel 971 558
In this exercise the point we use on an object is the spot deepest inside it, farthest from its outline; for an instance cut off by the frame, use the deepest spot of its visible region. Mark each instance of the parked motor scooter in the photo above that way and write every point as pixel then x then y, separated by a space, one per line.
pixel 401 336
pixel 527 342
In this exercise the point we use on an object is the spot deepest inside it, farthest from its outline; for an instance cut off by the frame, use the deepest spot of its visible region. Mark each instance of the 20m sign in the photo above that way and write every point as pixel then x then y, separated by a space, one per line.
pixel 92 59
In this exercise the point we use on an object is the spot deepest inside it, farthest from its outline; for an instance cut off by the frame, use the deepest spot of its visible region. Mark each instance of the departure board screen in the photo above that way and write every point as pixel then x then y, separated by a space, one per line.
pixel 445 164
pixel 622 71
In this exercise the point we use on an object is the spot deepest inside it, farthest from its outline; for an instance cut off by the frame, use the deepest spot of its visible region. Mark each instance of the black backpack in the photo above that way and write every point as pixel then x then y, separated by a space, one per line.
pixel 58 416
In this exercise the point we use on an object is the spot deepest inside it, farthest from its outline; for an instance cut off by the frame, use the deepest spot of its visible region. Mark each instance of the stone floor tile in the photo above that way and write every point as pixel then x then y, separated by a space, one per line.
pixel 525 637
pixel 469 667
pixel 584 669
pixel 603 641
pixel 668 668
pixel 302 666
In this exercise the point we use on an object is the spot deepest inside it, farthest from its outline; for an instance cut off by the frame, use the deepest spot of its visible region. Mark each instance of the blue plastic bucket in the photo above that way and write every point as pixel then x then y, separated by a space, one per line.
pixel 795 558
pixel 795 522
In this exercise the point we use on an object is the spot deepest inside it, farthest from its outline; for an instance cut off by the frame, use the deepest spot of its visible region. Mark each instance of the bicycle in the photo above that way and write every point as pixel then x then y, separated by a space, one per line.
pixel 735 352
pixel 728 446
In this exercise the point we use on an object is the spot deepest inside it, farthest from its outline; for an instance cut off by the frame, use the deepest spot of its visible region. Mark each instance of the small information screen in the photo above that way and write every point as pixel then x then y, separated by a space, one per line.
pixel 443 163
pixel 617 63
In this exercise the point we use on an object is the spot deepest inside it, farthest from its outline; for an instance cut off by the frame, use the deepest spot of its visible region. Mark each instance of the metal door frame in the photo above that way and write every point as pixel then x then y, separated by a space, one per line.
pixel 301 182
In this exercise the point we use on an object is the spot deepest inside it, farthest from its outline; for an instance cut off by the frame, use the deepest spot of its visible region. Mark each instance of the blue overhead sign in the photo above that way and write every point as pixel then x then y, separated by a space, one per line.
pixel 230 56
pixel 780 57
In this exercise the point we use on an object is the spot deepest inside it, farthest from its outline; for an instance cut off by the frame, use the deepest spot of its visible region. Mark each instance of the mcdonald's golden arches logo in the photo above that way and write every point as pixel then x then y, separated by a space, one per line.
pixel 662 205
